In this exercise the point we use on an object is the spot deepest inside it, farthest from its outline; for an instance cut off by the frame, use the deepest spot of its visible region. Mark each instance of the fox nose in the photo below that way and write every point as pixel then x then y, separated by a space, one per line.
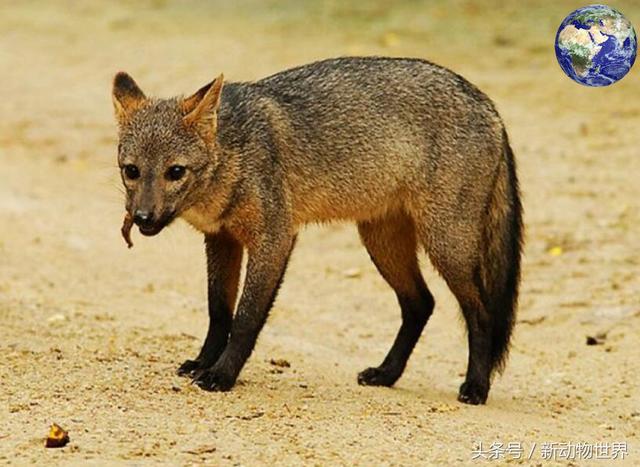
pixel 143 218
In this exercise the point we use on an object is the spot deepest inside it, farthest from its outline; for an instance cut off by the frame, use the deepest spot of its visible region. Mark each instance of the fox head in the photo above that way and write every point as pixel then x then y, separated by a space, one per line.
pixel 166 149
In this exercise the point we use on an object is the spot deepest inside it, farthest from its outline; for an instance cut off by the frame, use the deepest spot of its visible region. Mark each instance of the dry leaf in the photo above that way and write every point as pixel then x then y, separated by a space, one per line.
pixel 57 437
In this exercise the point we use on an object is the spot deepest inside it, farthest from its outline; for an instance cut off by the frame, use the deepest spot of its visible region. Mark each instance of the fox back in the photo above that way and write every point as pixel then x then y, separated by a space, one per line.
pixel 354 135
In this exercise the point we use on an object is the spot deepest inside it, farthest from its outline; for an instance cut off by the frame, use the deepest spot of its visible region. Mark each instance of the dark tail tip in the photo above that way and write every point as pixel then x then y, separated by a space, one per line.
pixel 501 298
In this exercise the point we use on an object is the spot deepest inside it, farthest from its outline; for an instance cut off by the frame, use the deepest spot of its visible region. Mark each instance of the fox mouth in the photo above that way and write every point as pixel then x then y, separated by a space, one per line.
pixel 151 230
pixel 156 228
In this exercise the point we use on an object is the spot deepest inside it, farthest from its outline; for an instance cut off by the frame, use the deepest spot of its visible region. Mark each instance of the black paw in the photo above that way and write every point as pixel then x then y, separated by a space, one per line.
pixel 188 368
pixel 473 393
pixel 379 376
pixel 212 379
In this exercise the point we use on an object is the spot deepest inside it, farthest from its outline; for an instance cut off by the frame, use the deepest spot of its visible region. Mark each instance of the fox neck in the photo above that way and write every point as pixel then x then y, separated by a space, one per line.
pixel 214 195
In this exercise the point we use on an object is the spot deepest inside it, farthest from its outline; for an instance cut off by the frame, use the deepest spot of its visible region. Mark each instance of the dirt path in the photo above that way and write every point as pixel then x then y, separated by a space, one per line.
pixel 92 332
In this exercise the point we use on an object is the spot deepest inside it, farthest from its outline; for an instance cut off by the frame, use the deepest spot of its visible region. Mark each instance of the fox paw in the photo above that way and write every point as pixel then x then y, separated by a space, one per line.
pixel 473 393
pixel 213 379
pixel 378 376
pixel 188 368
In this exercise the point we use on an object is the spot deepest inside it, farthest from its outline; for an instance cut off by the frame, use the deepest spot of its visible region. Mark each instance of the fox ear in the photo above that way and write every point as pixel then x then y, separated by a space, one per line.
pixel 201 108
pixel 127 96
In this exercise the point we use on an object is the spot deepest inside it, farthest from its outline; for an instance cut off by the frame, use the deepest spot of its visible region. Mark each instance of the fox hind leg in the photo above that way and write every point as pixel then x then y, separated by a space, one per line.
pixel 458 268
pixel 475 388
pixel 391 244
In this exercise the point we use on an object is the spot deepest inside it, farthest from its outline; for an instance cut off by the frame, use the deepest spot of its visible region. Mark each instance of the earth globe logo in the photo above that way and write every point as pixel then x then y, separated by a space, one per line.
pixel 596 45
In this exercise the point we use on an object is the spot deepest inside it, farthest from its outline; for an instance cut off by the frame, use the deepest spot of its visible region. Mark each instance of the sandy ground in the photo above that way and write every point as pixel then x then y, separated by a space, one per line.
pixel 91 332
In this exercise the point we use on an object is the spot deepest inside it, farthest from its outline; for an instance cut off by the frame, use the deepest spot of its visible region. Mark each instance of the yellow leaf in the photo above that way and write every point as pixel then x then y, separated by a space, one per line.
pixel 390 39
pixel 555 251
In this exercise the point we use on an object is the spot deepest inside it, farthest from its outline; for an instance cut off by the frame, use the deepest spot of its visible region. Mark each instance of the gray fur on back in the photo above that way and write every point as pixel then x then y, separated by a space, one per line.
pixel 365 130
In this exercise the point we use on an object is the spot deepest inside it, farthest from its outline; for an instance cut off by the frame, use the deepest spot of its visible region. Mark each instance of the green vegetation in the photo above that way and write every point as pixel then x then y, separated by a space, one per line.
pixel 580 56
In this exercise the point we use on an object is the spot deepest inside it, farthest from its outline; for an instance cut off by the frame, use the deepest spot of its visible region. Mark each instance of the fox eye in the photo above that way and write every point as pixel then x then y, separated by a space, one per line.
pixel 176 172
pixel 131 172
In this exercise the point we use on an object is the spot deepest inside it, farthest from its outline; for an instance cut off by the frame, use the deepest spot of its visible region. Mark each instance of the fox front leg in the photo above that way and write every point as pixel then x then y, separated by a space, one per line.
pixel 265 269
pixel 224 261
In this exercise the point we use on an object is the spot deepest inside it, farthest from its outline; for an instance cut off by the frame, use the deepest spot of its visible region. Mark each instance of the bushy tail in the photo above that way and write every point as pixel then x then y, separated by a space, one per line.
pixel 500 263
